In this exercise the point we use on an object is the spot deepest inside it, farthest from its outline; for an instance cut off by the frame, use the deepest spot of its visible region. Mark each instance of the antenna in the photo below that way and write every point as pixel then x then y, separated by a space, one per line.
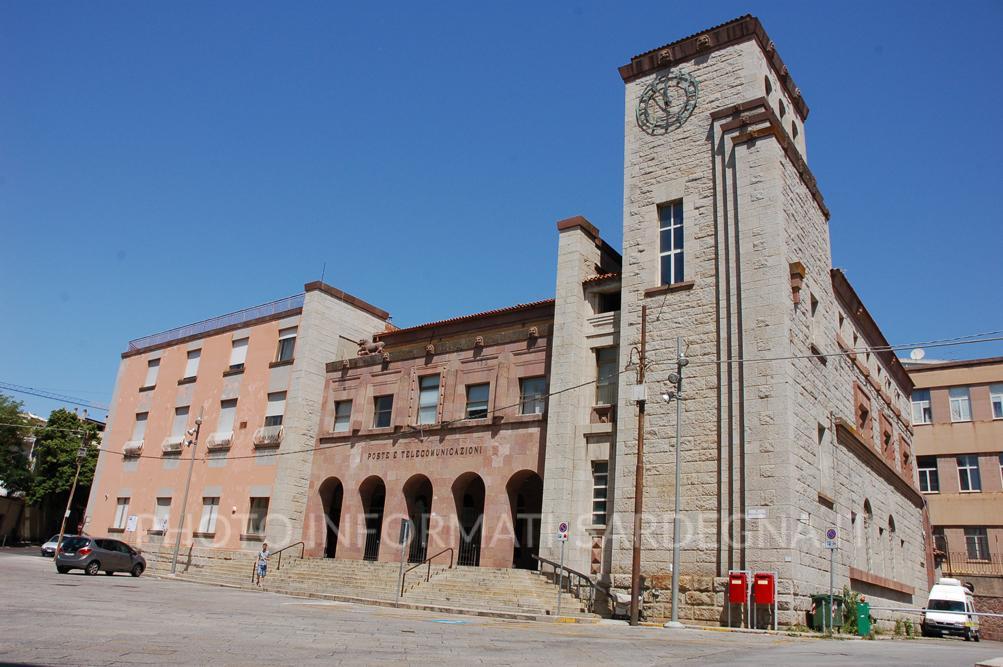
pixel 917 354
pixel 323 270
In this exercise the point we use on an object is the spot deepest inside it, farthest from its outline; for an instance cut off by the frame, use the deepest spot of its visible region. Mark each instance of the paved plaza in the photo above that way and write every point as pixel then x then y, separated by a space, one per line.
pixel 74 619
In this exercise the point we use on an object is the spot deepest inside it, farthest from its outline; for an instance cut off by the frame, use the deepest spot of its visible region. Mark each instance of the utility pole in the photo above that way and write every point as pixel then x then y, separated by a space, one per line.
pixel 677 379
pixel 81 455
pixel 635 563
pixel 193 443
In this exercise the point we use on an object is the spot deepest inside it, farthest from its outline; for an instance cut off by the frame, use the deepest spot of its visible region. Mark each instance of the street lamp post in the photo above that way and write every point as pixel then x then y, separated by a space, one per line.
pixel 81 456
pixel 193 443
pixel 676 379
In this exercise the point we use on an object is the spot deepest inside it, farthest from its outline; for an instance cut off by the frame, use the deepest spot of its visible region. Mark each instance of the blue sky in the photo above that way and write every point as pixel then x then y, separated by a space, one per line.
pixel 165 162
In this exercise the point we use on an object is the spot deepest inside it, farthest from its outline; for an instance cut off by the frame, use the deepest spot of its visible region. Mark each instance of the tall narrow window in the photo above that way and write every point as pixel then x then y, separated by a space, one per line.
pixel 969 478
pixel 977 543
pixel 238 354
pixel 428 399
pixel 383 408
pixel 929 477
pixel 276 408
pixel 121 512
pixel 139 428
pixel 342 416
pixel 939 539
pixel 606 376
pixel 210 509
pixel 227 413
pixel 287 344
pixel 180 422
pixel 192 365
pixel 921 412
pixel 477 400
pixel 257 515
pixel 532 395
pixel 961 404
pixel 162 514
pixel 600 488
pixel 152 369
pixel 670 231
pixel 996 398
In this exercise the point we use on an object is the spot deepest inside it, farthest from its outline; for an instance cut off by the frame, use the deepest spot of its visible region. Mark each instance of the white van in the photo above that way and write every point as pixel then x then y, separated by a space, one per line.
pixel 950 611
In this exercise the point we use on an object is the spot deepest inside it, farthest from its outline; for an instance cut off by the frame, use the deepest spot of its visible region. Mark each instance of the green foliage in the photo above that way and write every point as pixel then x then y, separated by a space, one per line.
pixel 850 600
pixel 899 628
pixel 907 626
pixel 56 455
pixel 15 474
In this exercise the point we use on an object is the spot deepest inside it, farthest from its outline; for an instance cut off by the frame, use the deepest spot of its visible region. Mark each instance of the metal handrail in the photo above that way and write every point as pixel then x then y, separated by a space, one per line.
pixel 428 561
pixel 579 578
pixel 278 566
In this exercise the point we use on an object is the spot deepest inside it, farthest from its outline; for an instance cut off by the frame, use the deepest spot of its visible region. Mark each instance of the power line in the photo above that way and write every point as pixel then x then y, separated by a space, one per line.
pixel 34 391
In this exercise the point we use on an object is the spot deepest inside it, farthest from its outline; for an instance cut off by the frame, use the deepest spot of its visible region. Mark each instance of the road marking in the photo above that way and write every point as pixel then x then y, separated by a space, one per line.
pixel 449 621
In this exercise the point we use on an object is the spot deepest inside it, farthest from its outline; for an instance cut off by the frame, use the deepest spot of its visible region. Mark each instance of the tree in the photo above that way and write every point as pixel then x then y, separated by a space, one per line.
pixel 56 456
pixel 15 471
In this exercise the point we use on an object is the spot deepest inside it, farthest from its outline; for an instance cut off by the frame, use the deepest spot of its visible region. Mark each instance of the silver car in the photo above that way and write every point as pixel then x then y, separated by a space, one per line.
pixel 93 555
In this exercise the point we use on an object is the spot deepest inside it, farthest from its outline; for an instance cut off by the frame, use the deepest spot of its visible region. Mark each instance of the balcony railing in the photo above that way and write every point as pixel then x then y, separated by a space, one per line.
pixel 960 563
pixel 132 448
pixel 268 436
pixel 172 444
pixel 219 440
pixel 230 319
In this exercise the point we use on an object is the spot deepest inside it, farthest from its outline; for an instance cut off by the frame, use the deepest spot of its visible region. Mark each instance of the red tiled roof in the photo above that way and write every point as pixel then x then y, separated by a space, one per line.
pixel 463 318
pixel 601 277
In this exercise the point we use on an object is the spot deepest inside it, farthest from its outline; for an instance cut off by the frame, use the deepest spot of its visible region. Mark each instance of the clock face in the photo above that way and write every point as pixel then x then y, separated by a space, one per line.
pixel 666 103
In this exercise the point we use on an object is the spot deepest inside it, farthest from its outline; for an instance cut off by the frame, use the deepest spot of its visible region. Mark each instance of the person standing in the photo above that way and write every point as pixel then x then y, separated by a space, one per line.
pixel 261 567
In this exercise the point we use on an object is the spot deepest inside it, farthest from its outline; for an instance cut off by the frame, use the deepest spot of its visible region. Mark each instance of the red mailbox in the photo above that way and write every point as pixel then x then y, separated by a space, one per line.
pixel 738 588
pixel 764 588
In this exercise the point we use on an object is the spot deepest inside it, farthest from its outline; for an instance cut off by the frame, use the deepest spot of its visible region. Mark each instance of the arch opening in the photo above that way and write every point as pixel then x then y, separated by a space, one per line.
pixel 418 496
pixel 373 493
pixel 332 495
pixel 525 495
pixel 468 495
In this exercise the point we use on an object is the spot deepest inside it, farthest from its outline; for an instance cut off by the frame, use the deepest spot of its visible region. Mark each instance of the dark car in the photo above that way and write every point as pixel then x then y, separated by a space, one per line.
pixel 93 555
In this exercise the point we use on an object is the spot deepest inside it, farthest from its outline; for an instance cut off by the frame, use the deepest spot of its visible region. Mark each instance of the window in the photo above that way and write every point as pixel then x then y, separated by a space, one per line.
pixel 162 514
pixel 238 354
pixel 287 343
pixel 921 412
pixel 968 473
pixel 428 399
pixel 606 376
pixel 152 369
pixel 121 512
pixel 210 508
pixel 600 478
pixel 929 477
pixel 532 395
pixel 342 416
pixel 815 323
pixel 996 398
pixel 864 420
pixel 227 413
pixel 1001 465
pixel 961 404
pixel 192 365
pixel 477 400
pixel 939 539
pixel 139 428
pixel 383 410
pixel 977 543
pixel 256 517
pixel 180 422
pixel 607 302
pixel 670 231
pixel 276 408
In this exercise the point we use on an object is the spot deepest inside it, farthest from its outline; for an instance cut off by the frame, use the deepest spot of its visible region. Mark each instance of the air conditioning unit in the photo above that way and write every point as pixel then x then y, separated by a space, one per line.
pixel 172 444
pixel 132 448
pixel 219 440
pixel 268 436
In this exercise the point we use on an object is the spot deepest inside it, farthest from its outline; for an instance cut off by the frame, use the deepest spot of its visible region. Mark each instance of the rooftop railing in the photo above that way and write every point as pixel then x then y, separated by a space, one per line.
pixel 223 321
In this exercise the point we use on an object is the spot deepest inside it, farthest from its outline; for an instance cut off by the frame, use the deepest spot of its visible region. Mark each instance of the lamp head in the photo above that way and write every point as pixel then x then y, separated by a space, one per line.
pixel 674 378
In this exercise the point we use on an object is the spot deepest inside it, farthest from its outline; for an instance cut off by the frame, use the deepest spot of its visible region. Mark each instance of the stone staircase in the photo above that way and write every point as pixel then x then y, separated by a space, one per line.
pixel 500 592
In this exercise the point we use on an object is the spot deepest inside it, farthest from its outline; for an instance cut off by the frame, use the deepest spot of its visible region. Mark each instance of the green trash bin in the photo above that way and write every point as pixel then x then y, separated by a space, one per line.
pixel 863 619
pixel 820 611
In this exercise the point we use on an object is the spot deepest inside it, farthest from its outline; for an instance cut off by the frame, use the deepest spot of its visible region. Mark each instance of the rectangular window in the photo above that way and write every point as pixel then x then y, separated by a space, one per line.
pixel 961 404
pixel 977 543
pixel 342 416
pixel 257 515
pixel 287 343
pixel 139 428
pixel 968 473
pixel 162 514
pixel 606 375
pixel 939 539
pixel 180 422
pixel 532 395
pixel 600 486
pixel 210 508
pixel 921 412
pixel 238 354
pixel 477 400
pixel 670 245
pixel 152 369
pixel 192 365
pixel 996 398
pixel 227 413
pixel 383 409
pixel 121 512
pixel 929 477
pixel 428 399
pixel 276 408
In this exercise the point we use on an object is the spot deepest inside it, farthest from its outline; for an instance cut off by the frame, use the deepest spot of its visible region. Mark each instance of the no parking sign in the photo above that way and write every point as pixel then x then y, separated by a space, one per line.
pixel 562 531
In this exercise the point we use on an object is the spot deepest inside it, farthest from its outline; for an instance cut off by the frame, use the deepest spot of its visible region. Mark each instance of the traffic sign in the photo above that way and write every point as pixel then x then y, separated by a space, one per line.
pixel 830 539
pixel 562 531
